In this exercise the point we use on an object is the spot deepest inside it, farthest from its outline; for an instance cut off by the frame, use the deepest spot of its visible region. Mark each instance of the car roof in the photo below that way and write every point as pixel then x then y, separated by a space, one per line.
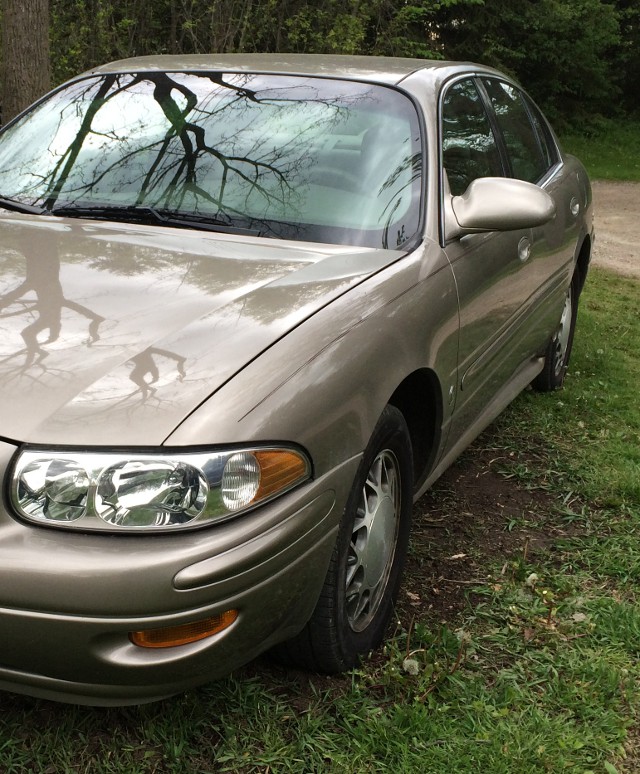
pixel 385 70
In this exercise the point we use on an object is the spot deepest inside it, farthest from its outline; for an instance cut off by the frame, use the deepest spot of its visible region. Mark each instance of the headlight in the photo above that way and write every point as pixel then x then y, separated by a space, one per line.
pixel 121 491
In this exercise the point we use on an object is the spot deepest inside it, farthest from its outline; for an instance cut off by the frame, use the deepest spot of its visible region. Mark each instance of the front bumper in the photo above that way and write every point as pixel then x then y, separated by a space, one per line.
pixel 68 601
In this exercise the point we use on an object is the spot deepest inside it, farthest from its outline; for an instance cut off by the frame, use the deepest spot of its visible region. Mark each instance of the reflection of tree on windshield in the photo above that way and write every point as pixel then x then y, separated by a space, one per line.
pixel 281 156
pixel 194 144
pixel 180 169
pixel 43 279
pixel 63 168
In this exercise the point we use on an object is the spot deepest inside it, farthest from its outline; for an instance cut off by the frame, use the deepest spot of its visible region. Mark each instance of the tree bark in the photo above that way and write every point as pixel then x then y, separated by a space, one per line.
pixel 25 54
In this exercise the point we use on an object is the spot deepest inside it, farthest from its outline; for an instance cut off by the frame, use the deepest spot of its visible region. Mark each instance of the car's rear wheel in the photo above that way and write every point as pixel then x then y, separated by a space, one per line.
pixel 362 582
pixel 558 351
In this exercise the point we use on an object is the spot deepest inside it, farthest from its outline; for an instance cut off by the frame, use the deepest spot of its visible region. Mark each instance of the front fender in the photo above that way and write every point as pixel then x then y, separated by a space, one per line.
pixel 325 384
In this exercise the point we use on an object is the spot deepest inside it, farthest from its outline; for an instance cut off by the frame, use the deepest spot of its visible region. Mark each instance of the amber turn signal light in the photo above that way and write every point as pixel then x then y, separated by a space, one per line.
pixel 172 636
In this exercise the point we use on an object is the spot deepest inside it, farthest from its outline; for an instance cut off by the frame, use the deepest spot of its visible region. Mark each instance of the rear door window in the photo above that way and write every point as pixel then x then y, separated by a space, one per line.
pixel 526 156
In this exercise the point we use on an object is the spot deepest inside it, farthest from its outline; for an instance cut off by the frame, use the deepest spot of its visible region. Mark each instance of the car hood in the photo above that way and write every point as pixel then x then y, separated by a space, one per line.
pixel 111 333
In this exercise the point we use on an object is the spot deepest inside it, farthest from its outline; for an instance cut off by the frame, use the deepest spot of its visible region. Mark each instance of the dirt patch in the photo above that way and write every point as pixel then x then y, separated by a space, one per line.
pixel 476 516
pixel 617 226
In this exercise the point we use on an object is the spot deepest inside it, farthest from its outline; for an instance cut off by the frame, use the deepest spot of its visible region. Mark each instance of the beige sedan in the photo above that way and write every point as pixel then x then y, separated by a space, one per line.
pixel 251 307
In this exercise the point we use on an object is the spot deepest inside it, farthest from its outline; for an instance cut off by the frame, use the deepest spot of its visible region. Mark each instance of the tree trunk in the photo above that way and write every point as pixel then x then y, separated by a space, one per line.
pixel 25 54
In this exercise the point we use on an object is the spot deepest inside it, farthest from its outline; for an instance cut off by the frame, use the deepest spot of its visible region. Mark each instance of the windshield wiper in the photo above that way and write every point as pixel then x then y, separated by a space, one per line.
pixel 15 206
pixel 143 214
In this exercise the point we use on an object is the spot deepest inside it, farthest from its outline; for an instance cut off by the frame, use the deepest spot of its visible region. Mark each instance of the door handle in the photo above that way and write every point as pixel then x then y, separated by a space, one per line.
pixel 574 206
pixel 524 249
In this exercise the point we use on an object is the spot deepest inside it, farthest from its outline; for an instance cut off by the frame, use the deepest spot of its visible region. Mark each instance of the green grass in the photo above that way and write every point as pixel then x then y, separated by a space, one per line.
pixel 538 673
pixel 595 421
pixel 611 151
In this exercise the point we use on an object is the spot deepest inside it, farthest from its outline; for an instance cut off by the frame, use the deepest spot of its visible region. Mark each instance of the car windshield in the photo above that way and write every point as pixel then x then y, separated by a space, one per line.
pixel 288 157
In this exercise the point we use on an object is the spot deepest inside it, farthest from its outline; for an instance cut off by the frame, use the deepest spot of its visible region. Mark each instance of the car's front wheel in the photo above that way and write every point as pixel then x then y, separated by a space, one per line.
pixel 364 575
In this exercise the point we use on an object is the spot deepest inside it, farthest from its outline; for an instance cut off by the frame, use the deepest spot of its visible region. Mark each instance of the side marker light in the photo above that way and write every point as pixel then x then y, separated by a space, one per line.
pixel 173 636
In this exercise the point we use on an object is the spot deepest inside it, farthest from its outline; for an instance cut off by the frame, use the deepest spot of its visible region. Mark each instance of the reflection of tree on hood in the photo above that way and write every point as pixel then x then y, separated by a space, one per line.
pixel 42 277
pixel 144 365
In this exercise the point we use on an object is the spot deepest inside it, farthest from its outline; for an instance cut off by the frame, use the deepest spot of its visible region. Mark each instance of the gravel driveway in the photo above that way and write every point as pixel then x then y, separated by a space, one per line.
pixel 617 226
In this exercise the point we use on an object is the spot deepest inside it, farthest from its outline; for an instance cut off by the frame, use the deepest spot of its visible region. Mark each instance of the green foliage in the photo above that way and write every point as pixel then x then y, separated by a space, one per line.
pixel 610 151
pixel 624 59
pixel 559 50
pixel 327 28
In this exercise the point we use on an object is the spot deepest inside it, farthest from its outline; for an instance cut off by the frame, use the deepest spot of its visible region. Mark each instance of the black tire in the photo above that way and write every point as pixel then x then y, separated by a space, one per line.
pixel 558 352
pixel 364 575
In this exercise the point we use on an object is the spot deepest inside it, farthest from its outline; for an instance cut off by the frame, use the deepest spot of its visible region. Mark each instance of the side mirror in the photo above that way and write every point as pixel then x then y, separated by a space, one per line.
pixel 496 204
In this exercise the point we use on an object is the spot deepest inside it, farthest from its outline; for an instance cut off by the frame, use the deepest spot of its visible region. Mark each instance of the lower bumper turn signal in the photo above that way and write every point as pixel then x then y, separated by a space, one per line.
pixel 172 636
